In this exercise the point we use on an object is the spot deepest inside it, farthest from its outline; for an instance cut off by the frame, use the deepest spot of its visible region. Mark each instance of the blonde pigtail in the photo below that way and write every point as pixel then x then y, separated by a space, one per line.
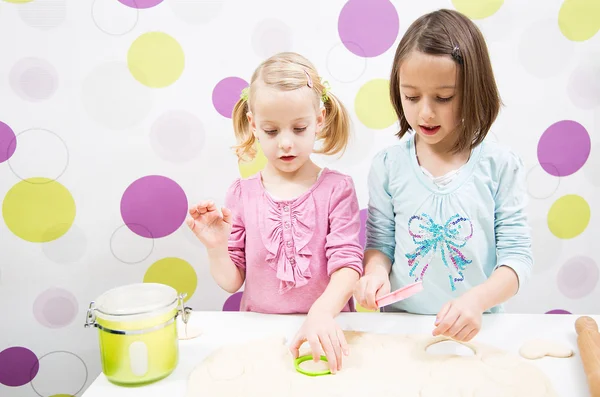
pixel 336 131
pixel 245 149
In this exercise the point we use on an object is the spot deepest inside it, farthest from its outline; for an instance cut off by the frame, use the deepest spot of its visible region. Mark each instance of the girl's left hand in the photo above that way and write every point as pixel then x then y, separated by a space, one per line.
pixel 459 319
pixel 323 334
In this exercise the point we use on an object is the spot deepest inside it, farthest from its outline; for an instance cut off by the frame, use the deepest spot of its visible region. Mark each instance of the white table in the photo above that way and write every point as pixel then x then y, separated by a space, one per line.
pixel 506 331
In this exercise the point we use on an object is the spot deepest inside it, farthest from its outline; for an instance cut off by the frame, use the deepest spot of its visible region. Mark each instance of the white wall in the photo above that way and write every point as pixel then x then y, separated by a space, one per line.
pixel 93 126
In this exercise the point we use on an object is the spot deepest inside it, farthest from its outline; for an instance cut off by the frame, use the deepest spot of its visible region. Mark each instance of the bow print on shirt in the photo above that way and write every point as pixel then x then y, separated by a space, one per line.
pixel 446 239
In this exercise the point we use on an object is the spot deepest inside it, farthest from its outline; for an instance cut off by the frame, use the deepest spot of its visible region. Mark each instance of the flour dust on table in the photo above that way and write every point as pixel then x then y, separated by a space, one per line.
pixel 384 365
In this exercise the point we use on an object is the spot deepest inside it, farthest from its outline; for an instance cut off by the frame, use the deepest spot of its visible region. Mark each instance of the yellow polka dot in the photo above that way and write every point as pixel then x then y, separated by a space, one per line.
pixel 173 272
pixel 156 59
pixel 18 1
pixel 361 309
pixel 372 104
pixel 569 216
pixel 579 20
pixel 249 168
pixel 478 9
pixel 38 210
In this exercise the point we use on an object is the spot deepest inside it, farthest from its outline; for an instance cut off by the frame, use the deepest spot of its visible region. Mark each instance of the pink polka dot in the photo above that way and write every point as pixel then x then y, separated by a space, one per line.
pixel 564 148
pixel 362 235
pixel 578 277
pixel 8 142
pixel 154 206
pixel 558 311
pixel 141 4
pixel 226 94
pixel 368 28
pixel 34 79
pixel 18 366
pixel 232 304
pixel 55 308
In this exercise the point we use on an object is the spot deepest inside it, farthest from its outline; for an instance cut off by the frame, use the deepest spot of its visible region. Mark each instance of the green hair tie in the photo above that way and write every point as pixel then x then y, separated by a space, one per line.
pixel 244 94
pixel 326 89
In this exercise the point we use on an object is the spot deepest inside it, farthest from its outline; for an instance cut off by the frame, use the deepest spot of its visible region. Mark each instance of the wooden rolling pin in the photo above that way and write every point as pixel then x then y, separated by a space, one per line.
pixel 588 341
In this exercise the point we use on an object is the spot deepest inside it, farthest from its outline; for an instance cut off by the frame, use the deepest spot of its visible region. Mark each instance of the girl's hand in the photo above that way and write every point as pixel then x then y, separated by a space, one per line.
pixel 459 319
pixel 370 287
pixel 208 225
pixel 323 334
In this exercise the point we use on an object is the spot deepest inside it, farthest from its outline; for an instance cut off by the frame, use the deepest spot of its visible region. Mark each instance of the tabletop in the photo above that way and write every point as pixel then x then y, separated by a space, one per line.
pixel 504 331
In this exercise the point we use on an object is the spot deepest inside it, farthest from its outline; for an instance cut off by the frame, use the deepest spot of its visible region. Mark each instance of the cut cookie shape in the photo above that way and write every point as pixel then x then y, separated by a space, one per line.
pixel 539 348
pixel 187 331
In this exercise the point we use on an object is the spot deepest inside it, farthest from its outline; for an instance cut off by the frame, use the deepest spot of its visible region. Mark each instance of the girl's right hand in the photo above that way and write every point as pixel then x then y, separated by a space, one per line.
pixel 207 223
pixel 370 287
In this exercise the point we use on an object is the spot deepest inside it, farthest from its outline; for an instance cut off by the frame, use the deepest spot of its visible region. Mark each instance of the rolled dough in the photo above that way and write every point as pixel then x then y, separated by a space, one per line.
pixel 383 365
pixel 539 348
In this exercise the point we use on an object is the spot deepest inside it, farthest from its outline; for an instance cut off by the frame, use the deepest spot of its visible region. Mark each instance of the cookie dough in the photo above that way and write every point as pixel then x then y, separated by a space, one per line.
pixel 539 348
pixel 387 365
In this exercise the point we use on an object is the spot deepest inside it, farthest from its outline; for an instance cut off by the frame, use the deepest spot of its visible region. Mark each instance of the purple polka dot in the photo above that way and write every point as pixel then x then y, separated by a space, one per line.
pixel 564 148
pixel 226 94
pixel 232 304
pixel 18 366
pixel 55 308
pixel 362 235
pixel 8 143
pixel 140 4
pixel 578 277
pixel 370 26
pixel 558 311
pixel 154 206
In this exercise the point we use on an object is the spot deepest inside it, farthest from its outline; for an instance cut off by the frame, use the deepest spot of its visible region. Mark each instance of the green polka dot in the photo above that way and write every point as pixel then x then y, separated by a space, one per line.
pixel 372 105
pixel 579 20
pixel 38 210
pixel 361 309
pixel 249 168
pixel 569 216
pixel 478 9
pixel 175 273
pixel 156 59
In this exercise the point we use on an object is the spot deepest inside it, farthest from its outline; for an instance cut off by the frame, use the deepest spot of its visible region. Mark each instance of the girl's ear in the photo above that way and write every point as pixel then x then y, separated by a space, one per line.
pixel 321 120
pixel 251 123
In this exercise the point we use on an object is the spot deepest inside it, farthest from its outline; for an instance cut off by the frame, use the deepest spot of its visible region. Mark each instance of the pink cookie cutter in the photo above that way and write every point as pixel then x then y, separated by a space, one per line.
pixel 400 294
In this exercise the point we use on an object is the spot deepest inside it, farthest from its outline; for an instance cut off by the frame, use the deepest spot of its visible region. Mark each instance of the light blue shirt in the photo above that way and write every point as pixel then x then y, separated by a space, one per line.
pixel 452 236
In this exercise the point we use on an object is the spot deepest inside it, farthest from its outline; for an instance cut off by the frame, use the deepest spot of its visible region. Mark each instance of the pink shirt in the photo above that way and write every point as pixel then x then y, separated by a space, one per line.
pixel 290 248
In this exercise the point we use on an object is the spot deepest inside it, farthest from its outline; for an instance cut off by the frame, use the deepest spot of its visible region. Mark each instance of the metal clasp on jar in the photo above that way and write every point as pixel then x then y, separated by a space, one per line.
pixel 183 310
pixel 90 318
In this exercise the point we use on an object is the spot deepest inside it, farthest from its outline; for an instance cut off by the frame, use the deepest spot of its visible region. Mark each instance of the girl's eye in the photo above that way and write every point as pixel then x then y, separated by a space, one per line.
pixel 302 129
pixel 445 99
pixel 411 98
pixel 270 132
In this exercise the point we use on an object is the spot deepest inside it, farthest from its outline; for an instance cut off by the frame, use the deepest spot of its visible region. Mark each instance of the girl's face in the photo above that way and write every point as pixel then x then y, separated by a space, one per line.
pixel 430 96
pixel 286 124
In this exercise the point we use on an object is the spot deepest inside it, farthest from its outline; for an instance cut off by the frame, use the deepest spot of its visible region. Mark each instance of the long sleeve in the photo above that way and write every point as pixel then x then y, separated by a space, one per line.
pixel 342 247
pixel 380 233
pixel 513 234
pixel 237 238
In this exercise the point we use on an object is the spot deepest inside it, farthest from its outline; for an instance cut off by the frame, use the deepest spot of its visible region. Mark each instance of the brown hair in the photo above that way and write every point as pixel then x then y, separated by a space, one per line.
pixel 448 32
pixel 288 71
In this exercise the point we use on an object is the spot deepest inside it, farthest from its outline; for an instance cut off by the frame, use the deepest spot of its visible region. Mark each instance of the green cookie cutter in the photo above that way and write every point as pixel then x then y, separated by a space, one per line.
pixel 302 359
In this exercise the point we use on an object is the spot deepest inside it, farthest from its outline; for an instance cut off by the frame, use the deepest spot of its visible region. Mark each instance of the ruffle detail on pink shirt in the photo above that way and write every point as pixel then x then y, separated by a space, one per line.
pixel 287 228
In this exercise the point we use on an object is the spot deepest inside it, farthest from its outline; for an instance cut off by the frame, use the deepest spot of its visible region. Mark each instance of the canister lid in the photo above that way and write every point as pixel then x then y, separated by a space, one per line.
pixel 136 299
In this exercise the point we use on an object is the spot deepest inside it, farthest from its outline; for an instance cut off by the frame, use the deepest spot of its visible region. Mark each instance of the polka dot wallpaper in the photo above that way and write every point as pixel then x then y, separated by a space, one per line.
pixel 115 116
